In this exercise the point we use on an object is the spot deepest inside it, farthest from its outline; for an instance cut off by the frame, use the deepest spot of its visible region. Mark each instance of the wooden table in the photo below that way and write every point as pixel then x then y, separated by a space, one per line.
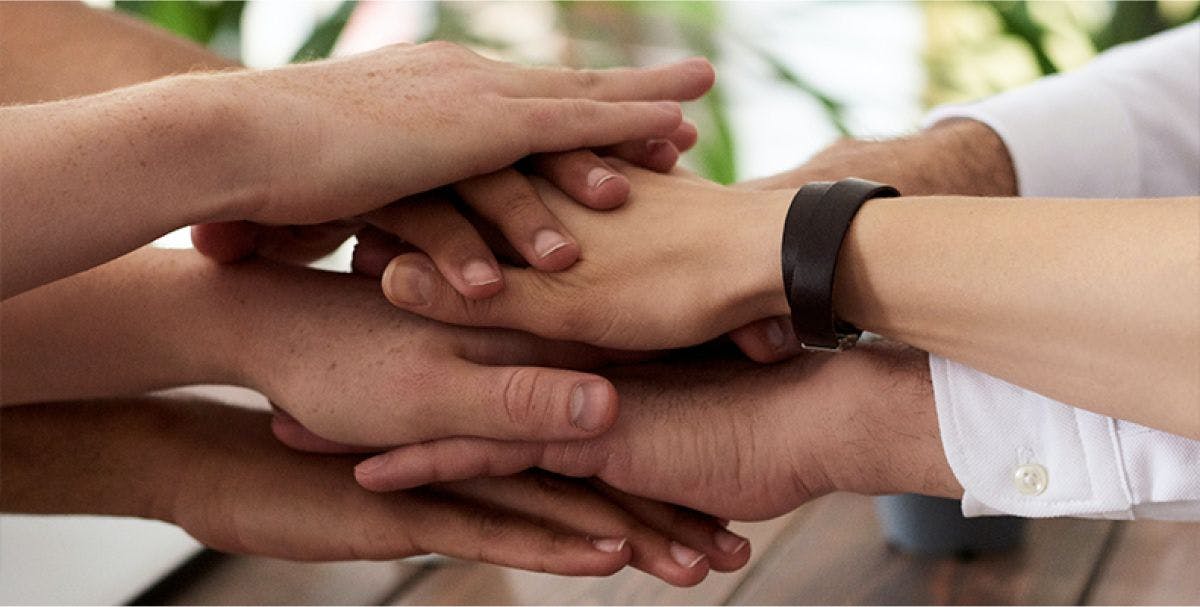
pixel 830 551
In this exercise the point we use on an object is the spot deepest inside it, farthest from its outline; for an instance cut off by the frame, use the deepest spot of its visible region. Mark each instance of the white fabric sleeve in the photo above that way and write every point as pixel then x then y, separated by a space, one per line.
pixel 1017 452
pixel 1126 125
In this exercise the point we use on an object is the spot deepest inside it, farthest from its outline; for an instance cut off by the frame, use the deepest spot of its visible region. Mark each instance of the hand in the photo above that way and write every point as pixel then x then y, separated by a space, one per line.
pixel 682 262
pixel 329 350
pixel 431 223
pixel 731 440
pixel 339 138
pixel 215 471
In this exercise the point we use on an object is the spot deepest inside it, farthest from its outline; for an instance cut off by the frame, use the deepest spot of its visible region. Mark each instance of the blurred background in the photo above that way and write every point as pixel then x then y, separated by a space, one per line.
pixel 792 77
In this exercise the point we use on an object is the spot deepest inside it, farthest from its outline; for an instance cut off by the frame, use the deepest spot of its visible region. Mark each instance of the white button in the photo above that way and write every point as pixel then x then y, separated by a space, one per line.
pixel 1030 479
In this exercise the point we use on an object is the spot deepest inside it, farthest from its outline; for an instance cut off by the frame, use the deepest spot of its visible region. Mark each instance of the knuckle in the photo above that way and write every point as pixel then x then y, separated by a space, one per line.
pixel 443 47
pixel 525 404
pixel 542 116
pixel 586 79
pixel 492 526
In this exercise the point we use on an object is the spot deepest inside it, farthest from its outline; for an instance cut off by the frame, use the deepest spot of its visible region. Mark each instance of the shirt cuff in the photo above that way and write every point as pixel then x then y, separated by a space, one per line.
pixel 1017 452
pixel 1067 135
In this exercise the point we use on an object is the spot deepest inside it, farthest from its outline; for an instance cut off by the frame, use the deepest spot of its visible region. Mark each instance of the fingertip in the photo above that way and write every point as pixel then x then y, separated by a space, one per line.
pixel 593 405
pixel 478 279
pixel 610 194
pixel 225 242
pixel 685 136
pixel 558 259
pixel 369 474
pixel 407 281
pixel 702 72
pixel 767 341
pixel 552 251
pixel 661 155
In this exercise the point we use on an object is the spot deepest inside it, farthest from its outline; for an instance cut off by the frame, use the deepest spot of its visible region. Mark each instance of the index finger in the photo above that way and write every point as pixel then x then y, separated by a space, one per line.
pixel 684 80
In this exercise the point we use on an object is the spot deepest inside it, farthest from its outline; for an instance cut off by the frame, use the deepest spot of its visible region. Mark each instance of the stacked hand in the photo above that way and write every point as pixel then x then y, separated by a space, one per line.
pixel 467 119
pixel 217 472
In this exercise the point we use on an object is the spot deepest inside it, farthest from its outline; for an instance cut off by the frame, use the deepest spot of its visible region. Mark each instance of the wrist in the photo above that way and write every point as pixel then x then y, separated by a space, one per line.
pixel 217 304
pixel 216 143
pixel 886 438
pixel 957 156
pixel 755 265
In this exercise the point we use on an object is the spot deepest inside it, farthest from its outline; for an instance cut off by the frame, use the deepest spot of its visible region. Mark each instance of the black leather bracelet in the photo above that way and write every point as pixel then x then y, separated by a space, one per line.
pixel 816 225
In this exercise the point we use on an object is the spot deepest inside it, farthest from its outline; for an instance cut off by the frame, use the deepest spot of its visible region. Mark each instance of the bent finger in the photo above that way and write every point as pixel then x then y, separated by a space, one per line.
pixel 374 249
pixel 768 340
pixel 411 283
pixel 583 176
pixel 226 241
pixel 508 200
pixel 432 224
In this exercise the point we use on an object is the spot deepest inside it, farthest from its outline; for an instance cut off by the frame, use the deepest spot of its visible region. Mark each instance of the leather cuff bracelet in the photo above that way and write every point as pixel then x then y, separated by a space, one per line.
pixel 816 224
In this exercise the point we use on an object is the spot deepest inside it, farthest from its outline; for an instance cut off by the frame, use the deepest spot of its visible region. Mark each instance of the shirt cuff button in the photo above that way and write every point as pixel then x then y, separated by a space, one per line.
pixel 1030 479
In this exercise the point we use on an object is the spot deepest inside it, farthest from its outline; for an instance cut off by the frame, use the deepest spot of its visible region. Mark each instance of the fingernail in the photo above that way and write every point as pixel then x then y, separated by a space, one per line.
pixel 598 176
pixel 368 466
pixel 609 544
pixel 589 409
pixel 546 242
pixel 478 272
pixel 775 334
pixel 653 146
pixel 410 285
pixel 686 557
pixel 729 543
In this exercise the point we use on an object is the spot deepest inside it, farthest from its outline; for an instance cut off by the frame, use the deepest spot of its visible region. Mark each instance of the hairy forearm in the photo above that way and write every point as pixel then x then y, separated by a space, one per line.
pixel 1089 302
pixel 88 179
pixel 56 50
pixel 962 157
pixel 142 322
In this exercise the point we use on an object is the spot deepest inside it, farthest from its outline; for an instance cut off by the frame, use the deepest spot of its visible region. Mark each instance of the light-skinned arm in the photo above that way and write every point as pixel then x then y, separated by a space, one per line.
pixel 279 146
pixel 1088 302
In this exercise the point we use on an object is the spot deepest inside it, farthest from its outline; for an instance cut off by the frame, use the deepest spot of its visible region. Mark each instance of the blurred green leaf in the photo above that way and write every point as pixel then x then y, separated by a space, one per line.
pixel 835 110
pixel 320 42
pixel 1019 23
pixel 715 149
pixel 1130 21
pixel 199 21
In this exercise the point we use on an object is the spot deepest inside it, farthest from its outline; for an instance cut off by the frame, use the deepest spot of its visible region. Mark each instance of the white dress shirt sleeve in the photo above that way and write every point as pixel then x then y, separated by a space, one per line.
pixel 1126 125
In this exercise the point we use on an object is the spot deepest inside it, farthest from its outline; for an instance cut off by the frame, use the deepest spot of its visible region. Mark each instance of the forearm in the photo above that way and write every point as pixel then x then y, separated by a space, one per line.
pixel 142 322
pixel 962 157
pixel 1092 303
pixel 88 179
pixel 56 50
pixel 107 458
